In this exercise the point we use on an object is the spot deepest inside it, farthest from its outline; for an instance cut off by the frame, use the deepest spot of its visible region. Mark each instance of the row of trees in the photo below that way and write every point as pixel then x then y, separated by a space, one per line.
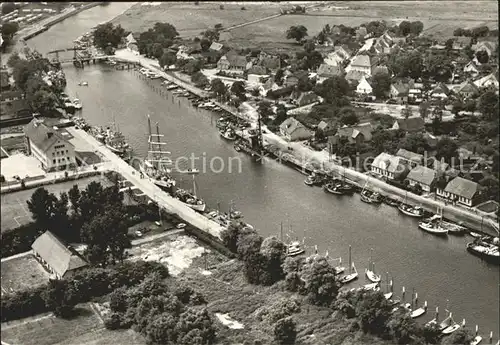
pixel 60 296
pixel 96 216
pixel 162 316
pixel 480 31
pixel 8 31
pixel 29 78
pixel 154 41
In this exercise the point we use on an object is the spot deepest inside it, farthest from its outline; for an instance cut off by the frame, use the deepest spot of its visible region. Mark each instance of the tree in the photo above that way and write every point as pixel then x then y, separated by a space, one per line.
pixel 205 44
pixel 199 79
pixel 406 112
pixel 42 208
pixel 275 253
pixel 333 90
pixel 373 312
pixel 488 104
pixel 406 64
pixel 280 114
pixel 8 7
pixel 414 142
pixel 381 84
pixel 211 35
pixel 167 59
pixel 423 109
pixel 264 109
pixel 437 119
pixel 491 187
pixel 296 32
pixel 304 84
pixel 56 298
pixel 106 237
pixel 278 78
pixel 416 28
pixel 218 87
pixel 449 44
pixel 348 116
pixel 285 331
pixel 230 236
pixel 447 149
pixel 320 284
pixel 118 300
pixel 193 66
pixel 43 102
pixel 8 31
pixel 439 67
pixel 13 60
pixel 309 46
pixel 238 89
pixel 405 27
pixel 458 106
pixel 108 34
pixel 402 327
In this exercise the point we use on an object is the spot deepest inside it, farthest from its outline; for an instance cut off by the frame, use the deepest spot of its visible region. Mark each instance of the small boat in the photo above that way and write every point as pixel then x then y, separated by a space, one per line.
pixel 371 286
pixel 83 83
pixel 154 76
pixel 172 87
pixel 434 321
pixel 453 327
pixel 314 179
pixel 366 198
pixel 294 249
pixel 446 322
pixel 412 211
pixel 353 273
pixel 77 104
pixel 190 200
pixel 228 134
pixel 475 234
pixel 376 198
pixel 477 339
pixel 370 272
pixel 484 250
pixel 334 188
pixel 419 311
pixel 432 226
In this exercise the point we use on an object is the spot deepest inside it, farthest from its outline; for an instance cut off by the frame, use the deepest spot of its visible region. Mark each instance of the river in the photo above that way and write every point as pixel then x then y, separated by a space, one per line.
pixel 270 193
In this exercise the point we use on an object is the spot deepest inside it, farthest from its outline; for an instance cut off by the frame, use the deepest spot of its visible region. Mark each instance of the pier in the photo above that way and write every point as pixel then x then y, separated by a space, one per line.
pixel 165 201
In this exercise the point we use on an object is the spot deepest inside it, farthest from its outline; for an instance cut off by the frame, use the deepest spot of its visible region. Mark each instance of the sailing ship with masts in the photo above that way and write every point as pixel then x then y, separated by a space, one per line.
pixel 190 199
pixel 157 165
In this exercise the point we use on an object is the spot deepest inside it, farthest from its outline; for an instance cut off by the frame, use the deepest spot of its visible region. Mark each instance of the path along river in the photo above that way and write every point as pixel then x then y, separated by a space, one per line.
pixel 270 193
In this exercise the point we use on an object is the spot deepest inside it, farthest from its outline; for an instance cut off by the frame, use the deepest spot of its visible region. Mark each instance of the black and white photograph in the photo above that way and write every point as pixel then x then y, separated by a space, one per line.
pixel 250 173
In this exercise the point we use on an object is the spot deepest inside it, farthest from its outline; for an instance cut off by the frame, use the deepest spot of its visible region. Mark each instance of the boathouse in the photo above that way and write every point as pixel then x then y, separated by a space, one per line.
pixel 59 259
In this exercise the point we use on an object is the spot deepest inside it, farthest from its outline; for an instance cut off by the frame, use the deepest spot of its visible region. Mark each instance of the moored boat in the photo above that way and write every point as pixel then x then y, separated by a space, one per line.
pixel 353 273
pixel 294 248
pixel 410 210
pixel 315 179
pixel 419 311
pixel 453 327
pixel 228 134
pixel 77 104
pixel 334 188
pixel 190 200
pixel 433 226
pixel 484 250
pixel 391 202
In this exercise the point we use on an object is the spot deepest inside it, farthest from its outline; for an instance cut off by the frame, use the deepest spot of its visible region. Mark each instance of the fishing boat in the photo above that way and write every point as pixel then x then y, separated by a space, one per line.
pixel 172 87
pixel 339 269
pixel 156 165
pixel 115 141
pixel 453 327
pixel 345 186
pixel 446 322
pixel 433 226
pixel 353 273
pixel 376 198
pixel 484 250
pixel 370 272
pixel 389 292
pixel 83 83
pixel 191 199
pixel 77 104
pixel 371 286
pixel 452 228
pixel 228 134
pixel 412 211
pixel 477 339
pixel 365 196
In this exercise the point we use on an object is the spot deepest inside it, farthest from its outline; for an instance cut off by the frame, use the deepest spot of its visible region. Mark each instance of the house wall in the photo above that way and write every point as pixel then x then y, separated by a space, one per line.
pixel 382 172
pixel 60 156
pixel 425 187
pixel 364 69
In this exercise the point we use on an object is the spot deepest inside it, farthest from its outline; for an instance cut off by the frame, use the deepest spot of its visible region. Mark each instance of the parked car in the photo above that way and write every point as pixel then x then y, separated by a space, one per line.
pixel 138 233
pixel 391 101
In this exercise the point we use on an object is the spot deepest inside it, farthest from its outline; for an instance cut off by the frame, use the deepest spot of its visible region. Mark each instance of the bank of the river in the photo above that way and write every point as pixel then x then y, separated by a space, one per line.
pixel 270 193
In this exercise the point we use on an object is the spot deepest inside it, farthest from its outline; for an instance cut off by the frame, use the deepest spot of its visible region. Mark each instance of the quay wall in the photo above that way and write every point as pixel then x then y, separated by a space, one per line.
pixel 463 216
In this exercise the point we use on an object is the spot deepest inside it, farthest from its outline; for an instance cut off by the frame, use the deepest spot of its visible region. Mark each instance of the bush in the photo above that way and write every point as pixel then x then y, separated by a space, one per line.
pixel 285 331
pixel 19 240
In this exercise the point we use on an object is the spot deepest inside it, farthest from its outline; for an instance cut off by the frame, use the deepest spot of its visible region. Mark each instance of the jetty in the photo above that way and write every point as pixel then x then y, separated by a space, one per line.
pixel 157 195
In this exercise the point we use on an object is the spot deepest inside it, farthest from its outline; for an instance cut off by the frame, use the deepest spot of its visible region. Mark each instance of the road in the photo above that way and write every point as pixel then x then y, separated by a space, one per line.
pixel 165 201
pixel 394 110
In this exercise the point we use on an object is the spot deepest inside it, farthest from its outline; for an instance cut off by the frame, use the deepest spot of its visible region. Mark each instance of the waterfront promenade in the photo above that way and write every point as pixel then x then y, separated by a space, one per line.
pixel 306 154
pixel 165 201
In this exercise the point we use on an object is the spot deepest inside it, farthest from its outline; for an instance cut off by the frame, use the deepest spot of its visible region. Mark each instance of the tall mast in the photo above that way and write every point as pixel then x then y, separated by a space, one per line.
pixel 149 134
pixel 158 155
pixel 350 262
pixel 281 231
pixel 194 186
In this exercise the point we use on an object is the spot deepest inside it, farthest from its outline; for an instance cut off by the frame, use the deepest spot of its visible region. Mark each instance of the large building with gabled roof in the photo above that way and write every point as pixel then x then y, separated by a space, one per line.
pixel 50 148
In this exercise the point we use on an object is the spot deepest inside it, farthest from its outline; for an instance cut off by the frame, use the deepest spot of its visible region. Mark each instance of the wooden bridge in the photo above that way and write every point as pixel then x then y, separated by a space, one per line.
pixel 79 57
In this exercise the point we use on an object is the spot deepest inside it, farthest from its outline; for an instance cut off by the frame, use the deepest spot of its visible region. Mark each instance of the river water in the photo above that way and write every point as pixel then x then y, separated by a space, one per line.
pixel 439 269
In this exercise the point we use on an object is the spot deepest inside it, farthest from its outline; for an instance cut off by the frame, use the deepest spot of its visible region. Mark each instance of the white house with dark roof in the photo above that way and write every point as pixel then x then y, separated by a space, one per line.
pixel 467 89
pixel 423 176
pixel 461 190
pixel 361 63
pixel 58 258
pixel 441 91
pixel 356 134
pixel 471 68
pixel 491 80
pixel 293 130
pixel 364 87
pixel 388 166
pixel 49 147
pixel 410 125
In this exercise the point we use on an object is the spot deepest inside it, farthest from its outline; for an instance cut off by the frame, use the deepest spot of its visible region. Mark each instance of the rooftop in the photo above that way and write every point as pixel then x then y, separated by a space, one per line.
pixel 41 135
pixel 422 175
pixel 462 187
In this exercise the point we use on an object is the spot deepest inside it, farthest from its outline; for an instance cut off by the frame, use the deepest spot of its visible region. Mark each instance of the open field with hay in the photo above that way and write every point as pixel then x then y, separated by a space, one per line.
pixel 22 273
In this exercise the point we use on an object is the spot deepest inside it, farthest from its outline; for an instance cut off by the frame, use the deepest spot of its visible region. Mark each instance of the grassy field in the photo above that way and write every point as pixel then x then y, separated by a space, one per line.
pixel 190 19
pixel 85 329
pixel 439 18
pixel 14 210
pixel 21 273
